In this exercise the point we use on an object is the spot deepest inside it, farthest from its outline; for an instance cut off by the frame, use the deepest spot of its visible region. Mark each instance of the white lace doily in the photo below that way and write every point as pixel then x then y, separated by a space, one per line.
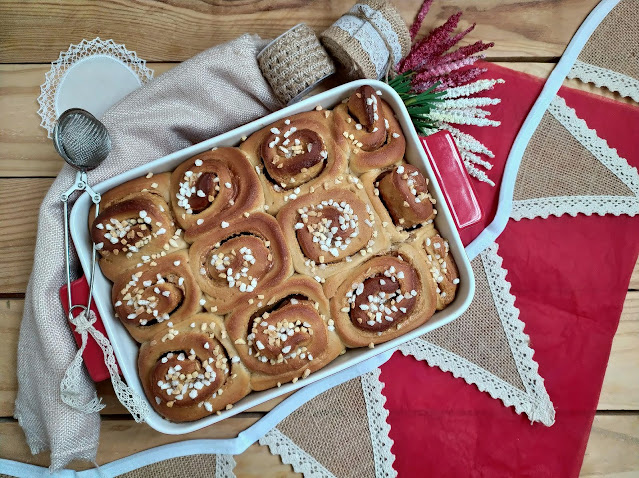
pixel 93 75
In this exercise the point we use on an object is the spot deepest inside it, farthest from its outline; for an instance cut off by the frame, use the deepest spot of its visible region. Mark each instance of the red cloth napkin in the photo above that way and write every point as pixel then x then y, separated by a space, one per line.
pixel 93 356
pixel 570 277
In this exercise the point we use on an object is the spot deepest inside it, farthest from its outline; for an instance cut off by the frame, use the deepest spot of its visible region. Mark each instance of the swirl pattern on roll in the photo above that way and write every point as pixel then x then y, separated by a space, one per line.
pixel 234 264
pixel 441 266
pixel 376 139
pixel 135 225
pixel 330 230
pixel 212 187
pixel 286 334
pixel 296 155
pixel 192 370
pixel 164 290
pixel 401 198
pixel 382 298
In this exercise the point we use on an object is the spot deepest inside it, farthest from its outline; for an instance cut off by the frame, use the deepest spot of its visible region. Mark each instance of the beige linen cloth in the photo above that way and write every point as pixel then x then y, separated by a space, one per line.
pixel 215 91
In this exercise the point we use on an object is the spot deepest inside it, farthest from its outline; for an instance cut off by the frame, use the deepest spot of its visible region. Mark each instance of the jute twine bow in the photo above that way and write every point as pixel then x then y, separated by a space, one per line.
pixel 294 63
pixel 71 385
pixel 365 53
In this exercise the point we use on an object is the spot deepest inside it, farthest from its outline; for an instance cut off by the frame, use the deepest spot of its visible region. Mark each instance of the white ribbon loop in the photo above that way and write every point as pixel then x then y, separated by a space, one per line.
pixel 70 387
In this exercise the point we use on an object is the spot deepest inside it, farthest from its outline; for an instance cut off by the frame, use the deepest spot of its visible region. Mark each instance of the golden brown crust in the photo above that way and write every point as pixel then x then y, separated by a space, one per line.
pixel 441 265
pixel 232 265
pixel 214 186
pixel 156 184
pixel 210 378
pixel 375 136
pixel 382 298
pixel 299 306
pixel 145 299
pixel 331 230
pixel 287 169
pixel 400 197
pixel 135 225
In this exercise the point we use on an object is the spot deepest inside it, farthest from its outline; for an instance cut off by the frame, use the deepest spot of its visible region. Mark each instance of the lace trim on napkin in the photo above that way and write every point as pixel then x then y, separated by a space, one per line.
pixel 588 204
pixel 603 77
pixel 534 402
pixel 75 53
pixel 303 462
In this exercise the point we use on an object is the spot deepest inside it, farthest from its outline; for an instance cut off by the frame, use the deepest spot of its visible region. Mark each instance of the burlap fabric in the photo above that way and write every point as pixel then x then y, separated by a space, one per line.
pixel 610 58
pixel 209 94
pixel 549 167
pixel 194 466
pixel 340 433
pixel 294 63
pixel 487 347
pixel 369 39
pixel 568 169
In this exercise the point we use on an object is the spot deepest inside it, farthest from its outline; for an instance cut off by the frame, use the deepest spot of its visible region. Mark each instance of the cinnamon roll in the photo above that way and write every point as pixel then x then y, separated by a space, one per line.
pixel 331 230
pixel 295 155
pixel 135 225
pixel 382 298
pixel 238 261
pixel 212 187
pixel 163 291
pixel 400 196
pixel 375 136
pixel 286 334
pixel 441 266
pixel 192 370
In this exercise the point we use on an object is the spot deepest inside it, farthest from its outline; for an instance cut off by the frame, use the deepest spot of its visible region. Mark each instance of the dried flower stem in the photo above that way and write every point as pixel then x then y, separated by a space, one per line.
pixel 419 19
pixel 471 88
pixel 467 142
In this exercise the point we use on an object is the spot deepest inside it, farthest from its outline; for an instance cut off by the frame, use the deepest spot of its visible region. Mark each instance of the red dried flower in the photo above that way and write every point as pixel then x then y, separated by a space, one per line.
pixel 431 60
pixel 417 24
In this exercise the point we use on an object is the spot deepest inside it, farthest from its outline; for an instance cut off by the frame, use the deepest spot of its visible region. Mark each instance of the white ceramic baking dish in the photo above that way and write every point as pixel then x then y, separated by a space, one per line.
pixel 126 349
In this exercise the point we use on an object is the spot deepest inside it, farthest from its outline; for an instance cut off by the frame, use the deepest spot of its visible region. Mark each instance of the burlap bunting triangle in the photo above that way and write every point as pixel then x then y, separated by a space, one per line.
pixel 313 438
pixel 610 58
pixel 487 345
pixel 568 169
pixel 193 466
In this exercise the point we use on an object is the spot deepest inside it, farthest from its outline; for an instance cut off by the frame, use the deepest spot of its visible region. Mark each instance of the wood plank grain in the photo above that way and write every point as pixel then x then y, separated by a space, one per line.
pixel 33 32
pixel 20 200
pixel 613 447
pixel 10 317
pixel 26 151
pixel 120 438
pixel 634 280
pixel 620 389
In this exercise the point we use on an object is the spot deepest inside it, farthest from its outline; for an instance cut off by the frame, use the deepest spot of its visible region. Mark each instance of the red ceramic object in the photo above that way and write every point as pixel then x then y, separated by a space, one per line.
pixel 93 356
pixel 452 178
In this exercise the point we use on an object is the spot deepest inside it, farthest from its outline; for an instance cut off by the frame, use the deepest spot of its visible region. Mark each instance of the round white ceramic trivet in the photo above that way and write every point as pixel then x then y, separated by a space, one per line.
pixel 92 75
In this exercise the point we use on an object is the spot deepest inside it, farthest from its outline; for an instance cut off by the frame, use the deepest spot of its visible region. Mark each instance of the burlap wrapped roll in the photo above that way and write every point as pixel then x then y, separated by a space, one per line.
pixel 368 40
pixel 294 63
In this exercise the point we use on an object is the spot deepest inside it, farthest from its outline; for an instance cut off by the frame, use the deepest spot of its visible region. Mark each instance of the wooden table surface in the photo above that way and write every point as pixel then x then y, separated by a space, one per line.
pixel 530 36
